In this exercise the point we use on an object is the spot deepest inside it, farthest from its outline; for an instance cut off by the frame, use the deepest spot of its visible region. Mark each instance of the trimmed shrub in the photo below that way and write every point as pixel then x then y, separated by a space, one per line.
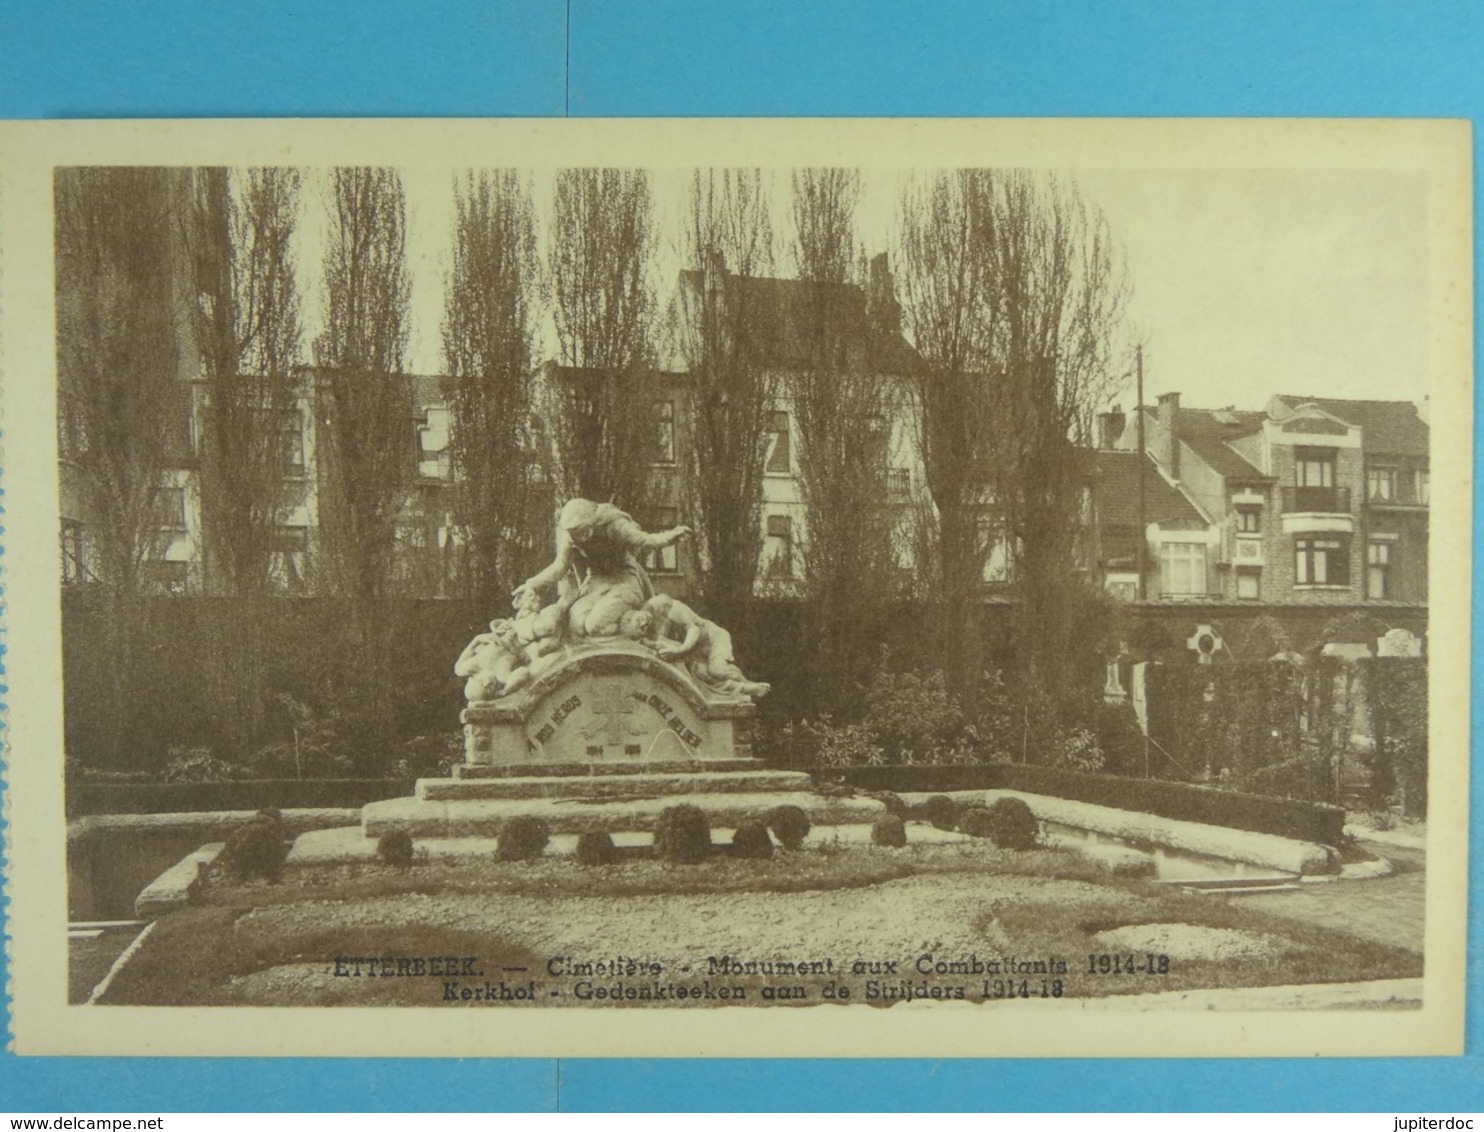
pixel 752 842
pixel 256 851
pixel 790 825
pixel 523 838
pixel 893 802
pixel 1012 825
pixel 941 812
pixel 596 847
pixel 682 835
pixel 889 830
pixel 976 821
pixel 395 847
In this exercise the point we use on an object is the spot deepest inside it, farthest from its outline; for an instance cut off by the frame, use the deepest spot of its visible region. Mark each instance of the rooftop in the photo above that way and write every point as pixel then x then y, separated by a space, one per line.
pixel 1206 432
pixel 1117 489
pixel 787 310
pixel 1392 428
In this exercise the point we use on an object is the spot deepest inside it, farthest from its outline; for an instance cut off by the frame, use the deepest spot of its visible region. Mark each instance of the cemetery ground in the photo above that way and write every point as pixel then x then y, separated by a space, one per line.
pixel 917 920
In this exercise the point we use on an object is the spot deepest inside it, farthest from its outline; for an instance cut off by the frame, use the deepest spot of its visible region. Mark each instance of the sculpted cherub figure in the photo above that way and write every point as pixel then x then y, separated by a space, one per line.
pixel 704 647
pixel 493 663
pixel 539 631
pixel 499 662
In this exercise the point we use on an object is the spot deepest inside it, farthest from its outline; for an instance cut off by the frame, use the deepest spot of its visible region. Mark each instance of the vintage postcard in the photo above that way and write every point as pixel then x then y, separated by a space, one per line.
pixel 736 588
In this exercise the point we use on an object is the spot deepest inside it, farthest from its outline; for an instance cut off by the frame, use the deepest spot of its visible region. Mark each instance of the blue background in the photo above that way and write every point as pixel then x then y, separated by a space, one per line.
pixel 766 57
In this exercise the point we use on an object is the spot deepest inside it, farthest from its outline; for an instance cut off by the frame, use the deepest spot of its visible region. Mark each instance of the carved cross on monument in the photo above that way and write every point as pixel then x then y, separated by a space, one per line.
pixel 611 705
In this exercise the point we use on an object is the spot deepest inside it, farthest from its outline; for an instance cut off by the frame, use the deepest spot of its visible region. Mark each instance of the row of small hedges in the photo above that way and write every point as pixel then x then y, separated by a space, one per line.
pixel 84 798
pixel 1303 821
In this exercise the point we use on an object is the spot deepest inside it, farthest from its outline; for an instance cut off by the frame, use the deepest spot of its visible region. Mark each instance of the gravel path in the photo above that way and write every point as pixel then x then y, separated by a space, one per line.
pixel 1385 909
pixel 898 920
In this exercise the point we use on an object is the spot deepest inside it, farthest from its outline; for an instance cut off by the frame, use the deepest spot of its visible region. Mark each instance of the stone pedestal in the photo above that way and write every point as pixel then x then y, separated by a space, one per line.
pixel 613 704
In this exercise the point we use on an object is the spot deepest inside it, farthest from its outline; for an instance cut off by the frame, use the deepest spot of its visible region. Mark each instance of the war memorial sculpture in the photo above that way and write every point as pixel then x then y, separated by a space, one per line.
pixel 542 686
pixel 600 691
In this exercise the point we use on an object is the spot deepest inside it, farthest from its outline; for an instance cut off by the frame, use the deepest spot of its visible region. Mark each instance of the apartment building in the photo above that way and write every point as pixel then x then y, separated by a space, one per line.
pixel 1311 501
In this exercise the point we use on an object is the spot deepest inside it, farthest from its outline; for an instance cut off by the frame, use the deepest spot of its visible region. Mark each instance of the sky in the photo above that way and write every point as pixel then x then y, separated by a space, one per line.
pixel 1245 283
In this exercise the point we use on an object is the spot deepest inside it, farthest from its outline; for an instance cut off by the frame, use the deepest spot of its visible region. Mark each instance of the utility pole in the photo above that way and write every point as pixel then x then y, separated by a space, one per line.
pixel 1141 535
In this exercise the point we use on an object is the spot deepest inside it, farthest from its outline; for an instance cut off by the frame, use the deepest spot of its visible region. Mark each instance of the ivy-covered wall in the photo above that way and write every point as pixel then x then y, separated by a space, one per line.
pixel 1317 728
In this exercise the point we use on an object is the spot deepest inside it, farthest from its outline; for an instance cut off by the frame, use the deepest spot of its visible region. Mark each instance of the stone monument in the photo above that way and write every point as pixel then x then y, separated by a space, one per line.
pixel 600 703
pixel 596 667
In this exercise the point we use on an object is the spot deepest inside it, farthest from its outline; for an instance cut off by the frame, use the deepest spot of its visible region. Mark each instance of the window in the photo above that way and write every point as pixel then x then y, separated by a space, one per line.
pixel 1249 585
pixel 666 559
pixel 180 424
pixel 74 554
pixel 1378 570
pixel 289 559
pixel 778 547
pixel 1249 520
pixel 1422 486
pixel 291 441
pixel 1182 568
pixel 1380 484
pixel 899 482
pixel 878 441
pixel 1321 562
pixel 778 460
pixel 1314 467
pixel 994 545
pixel 171 505
pixel 664 432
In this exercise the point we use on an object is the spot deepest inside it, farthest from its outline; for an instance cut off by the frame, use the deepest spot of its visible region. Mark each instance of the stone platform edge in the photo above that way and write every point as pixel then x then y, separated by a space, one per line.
pixel 1284 854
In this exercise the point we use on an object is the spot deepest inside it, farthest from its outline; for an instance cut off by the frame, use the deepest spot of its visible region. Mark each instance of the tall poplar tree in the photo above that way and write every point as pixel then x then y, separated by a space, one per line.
pixel 843 407
pixel 601 246
pixel 492 298
pixel 720 335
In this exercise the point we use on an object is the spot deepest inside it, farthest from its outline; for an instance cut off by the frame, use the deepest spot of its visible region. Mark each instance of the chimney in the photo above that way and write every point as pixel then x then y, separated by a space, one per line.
pixel 1111 425
pixel 1167 449
pixel 713 271
pixel 881 297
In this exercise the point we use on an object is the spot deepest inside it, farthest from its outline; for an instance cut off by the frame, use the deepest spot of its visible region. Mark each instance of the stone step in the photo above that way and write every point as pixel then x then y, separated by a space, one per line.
pixel 1242 890
pixel 580 770
pixel 1237 883
pixel 614 786
pixel 485 817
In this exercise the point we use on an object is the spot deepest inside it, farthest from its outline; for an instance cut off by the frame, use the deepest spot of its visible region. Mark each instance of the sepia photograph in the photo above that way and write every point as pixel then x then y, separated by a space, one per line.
pixel 793 588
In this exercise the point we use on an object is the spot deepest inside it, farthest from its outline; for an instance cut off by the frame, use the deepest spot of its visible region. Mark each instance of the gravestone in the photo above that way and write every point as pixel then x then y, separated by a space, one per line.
pixel 1399 642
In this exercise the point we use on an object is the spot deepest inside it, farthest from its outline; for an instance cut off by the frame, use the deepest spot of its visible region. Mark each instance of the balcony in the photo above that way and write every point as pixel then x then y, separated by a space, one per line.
pixel 1309 510
pixel 1317 500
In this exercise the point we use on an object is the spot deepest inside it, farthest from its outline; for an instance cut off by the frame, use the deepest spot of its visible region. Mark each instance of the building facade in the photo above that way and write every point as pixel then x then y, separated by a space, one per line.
pixel 1309 505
